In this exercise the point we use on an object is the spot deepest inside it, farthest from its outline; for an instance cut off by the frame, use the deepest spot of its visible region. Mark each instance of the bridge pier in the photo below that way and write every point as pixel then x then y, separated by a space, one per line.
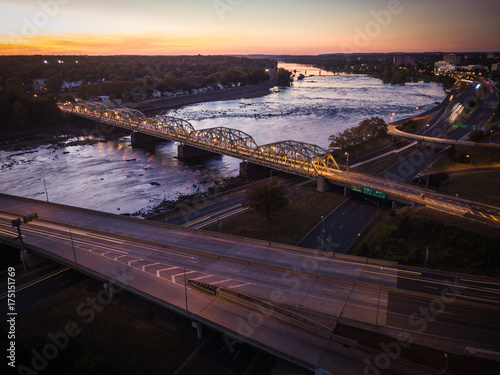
pixel 199 330
pixel 253 171
pixel 323 185
pixel 141 140
pixel 185 152
pixel 30 259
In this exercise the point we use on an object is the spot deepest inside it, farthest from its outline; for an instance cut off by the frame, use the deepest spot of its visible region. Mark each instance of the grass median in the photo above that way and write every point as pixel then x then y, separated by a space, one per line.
pixel 483 187
pixel 287 225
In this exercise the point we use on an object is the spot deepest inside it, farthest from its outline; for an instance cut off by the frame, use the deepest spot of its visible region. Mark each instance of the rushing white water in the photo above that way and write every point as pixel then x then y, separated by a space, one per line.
pixel 114 177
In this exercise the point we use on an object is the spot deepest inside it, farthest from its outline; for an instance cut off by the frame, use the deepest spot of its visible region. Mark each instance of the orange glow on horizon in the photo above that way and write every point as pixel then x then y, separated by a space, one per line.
pixel 87 44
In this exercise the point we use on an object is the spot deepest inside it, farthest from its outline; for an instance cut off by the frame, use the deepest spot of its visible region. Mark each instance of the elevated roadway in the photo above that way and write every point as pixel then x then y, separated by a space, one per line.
pixel 392 129
pixel 310 292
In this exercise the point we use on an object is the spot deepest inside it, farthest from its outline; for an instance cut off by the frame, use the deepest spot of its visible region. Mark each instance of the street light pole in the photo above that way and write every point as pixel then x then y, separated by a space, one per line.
pixel 428 173
pixel 347 161
pixel 470 164
pixel 322 232
pixel 165 206
pixel 45 185
pixel 72 243
pixel 185 288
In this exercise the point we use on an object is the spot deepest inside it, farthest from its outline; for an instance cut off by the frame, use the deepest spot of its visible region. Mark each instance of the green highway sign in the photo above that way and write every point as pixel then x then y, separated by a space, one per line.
pixel 357 188
pixel 367 190
pixel 379 194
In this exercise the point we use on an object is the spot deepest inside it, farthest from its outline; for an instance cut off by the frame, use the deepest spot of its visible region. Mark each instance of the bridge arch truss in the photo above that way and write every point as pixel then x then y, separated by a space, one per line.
pixel 296 157
pixel 221 139
pixel 299 157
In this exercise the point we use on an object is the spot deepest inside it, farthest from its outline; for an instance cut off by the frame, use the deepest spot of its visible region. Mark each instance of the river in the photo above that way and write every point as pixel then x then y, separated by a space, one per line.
pixel 114 177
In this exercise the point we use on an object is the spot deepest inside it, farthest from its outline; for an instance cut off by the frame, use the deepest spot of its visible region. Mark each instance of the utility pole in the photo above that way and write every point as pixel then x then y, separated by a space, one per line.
pixel 45 185
pixel 322 232
pixel 17 223
pixel 72 244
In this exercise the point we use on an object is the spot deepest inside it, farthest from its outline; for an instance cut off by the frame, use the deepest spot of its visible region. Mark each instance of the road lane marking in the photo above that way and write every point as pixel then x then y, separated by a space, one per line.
pixel 475 298
pixel 211 215
pixel 480 282
pixel 164 269
pixel 37 281
pixel 103 238
pixel 203 277
pixel 182 273
pixel 239 285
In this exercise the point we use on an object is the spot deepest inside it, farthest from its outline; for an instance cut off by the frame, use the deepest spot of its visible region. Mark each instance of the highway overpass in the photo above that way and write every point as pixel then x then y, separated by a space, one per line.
pixel 282 299
pixel 392 129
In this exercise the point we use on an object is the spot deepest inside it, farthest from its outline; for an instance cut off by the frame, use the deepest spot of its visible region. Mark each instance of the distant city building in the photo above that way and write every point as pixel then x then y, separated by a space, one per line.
pixel 452 58
pixel 491 56
pixel 495 67
pixel 444 66
pixel 403 60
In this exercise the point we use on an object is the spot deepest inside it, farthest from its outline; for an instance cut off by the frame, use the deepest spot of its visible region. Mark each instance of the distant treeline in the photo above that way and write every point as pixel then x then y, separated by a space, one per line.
pixel 20 109
pixel 129 78
pixel 381 65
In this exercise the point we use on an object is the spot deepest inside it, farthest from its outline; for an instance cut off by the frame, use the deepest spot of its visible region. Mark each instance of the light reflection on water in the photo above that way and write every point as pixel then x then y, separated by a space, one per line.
pixel 114 177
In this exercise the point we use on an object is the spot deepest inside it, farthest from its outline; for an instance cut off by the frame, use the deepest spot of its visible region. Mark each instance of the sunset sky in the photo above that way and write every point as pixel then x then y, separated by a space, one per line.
pixel 164 27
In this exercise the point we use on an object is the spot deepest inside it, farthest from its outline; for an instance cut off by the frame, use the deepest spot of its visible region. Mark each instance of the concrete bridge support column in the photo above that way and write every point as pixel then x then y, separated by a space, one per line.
pixel 141 140
pixel 321 184
pixel 254 171
pixel 185 152
pixel 199 331
pixel 30 259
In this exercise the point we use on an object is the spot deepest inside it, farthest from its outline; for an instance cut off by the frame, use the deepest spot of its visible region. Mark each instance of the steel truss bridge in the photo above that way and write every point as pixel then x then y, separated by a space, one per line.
pixel 291 156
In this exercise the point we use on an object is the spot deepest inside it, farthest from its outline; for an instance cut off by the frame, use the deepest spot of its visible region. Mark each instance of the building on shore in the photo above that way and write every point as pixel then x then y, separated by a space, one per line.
pixel 444 67
pixel 452 58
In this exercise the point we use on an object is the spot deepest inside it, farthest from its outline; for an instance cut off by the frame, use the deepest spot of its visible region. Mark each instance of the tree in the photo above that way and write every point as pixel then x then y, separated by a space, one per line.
pixel 266 198
pixel 284 77
pixel 19 115
pixel 54 83
pixel 352 140
pixel 476 135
